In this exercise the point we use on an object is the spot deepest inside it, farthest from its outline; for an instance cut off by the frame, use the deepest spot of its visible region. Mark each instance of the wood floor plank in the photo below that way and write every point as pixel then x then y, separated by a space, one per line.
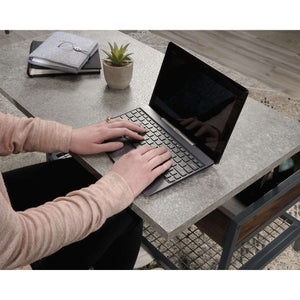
pixel 243 51
pixel 260 50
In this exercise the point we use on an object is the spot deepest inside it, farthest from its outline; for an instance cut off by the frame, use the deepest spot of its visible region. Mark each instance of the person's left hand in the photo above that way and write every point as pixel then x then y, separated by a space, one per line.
pixel 89 140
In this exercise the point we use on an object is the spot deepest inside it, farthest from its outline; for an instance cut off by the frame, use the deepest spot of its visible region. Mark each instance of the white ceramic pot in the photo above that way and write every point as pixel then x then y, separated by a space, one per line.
pixel 117 77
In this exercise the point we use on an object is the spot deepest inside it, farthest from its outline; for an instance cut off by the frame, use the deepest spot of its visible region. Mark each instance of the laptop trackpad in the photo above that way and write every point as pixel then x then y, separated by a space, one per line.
pixel 116 155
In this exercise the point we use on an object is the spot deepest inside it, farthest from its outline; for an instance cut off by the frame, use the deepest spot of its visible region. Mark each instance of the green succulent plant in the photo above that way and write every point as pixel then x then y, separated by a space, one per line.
pixel 117 56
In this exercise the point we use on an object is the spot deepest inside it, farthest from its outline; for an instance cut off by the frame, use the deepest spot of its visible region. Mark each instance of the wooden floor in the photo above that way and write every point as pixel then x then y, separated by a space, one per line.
pixel 272 57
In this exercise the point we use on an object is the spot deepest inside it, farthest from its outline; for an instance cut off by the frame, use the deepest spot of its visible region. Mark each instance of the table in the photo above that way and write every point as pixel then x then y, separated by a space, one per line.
pixel 261 140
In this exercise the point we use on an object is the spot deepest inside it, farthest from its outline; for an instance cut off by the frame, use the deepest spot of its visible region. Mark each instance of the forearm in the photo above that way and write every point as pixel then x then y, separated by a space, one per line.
pixel 32 134
pixel 38 232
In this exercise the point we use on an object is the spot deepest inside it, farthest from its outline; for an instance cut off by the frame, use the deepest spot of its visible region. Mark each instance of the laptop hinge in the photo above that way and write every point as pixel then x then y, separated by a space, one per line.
pixel 177 131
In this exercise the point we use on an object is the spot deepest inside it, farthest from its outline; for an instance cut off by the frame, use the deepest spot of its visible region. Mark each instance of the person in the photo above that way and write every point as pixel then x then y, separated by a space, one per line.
pixel 56 215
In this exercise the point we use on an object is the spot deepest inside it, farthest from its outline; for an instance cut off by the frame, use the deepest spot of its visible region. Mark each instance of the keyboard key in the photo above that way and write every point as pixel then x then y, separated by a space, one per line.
pixel 177 176
pixel 150 133
pixel 200 164
pixel 188 169
pixel 182 164
pixel 173 172
pixel 180 154
pixel 176 159
pixel 171 179
pixel 175 150
pixel 186 159
pixel 181 171
pixel 193 165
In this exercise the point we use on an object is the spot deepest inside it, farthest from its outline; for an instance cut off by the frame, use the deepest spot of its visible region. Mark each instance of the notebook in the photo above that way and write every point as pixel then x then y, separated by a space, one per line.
pixel 63 51
pixel 193 110
pixel 92 66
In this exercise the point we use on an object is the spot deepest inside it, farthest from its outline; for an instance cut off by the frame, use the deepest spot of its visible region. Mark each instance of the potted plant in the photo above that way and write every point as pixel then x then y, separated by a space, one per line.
pixel 117 67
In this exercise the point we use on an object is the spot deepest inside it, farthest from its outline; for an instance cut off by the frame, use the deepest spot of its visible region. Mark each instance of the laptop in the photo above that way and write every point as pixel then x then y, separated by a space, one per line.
pixel 192 111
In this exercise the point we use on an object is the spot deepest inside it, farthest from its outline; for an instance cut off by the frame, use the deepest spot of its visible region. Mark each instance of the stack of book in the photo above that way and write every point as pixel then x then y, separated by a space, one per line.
pixel 63 53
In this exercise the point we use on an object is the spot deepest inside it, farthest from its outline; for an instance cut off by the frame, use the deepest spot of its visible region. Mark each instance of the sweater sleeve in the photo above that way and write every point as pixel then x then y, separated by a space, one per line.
pixel 32 134
pixel 38 232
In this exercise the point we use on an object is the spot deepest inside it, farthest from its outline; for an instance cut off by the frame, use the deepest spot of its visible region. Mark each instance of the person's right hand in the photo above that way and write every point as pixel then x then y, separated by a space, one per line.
pixel 141 166
pixel 89 140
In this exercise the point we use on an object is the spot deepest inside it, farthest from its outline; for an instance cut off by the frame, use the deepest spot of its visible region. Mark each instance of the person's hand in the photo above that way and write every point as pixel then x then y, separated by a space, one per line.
pixel 89 140
pixel 141 166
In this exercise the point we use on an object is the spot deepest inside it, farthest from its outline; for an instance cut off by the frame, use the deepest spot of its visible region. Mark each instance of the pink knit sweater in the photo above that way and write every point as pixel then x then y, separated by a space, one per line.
pixel 26 236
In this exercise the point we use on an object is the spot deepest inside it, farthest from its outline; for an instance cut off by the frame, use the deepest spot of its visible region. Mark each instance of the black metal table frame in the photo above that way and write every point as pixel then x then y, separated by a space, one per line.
pixel 268 253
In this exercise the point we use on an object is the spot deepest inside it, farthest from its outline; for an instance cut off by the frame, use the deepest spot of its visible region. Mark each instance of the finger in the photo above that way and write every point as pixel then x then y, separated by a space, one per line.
pixel 161 169
pixel 154 152
pixel 144 149
pixel 114 120
pixel 107 147
pixel 117 132
pixel 159 159
pixel 127 124
pixel 123 122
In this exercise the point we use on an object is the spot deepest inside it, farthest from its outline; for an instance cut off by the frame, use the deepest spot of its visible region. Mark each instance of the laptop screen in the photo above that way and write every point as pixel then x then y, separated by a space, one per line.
pixel 198 100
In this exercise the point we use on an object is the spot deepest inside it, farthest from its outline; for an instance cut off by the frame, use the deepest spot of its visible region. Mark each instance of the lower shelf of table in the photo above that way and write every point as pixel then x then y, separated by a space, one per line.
pixel 194 250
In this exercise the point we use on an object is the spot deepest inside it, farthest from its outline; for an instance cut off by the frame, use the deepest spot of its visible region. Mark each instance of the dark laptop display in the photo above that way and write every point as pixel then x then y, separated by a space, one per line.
pixel 193 110
pixel 198 100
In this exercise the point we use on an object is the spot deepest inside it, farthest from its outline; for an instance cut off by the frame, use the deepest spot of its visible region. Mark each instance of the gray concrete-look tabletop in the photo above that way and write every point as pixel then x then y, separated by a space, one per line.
pixel 262 138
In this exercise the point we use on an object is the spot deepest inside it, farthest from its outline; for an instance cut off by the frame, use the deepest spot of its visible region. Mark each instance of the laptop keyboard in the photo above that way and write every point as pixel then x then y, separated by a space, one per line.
pixel 184 163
